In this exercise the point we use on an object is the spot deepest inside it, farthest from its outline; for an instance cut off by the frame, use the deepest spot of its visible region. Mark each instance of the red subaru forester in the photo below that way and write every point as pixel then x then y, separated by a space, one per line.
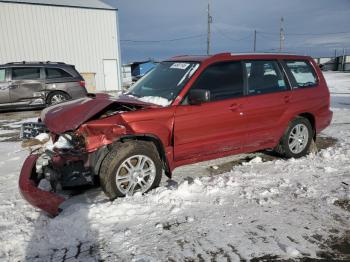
pixel 186 110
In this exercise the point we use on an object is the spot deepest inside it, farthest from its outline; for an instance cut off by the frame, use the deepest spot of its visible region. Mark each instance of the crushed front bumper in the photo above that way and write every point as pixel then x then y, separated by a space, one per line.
pixel 46 201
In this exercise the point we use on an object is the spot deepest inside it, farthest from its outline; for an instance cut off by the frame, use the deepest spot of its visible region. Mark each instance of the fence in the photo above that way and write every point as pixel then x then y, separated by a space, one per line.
pixel 339 63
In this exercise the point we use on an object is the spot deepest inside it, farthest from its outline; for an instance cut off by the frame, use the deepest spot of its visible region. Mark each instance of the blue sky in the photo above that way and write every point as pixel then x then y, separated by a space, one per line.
pixel 312 27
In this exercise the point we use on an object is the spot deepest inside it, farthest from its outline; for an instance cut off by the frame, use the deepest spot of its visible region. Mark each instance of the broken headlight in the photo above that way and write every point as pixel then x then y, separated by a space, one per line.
pixel 69 141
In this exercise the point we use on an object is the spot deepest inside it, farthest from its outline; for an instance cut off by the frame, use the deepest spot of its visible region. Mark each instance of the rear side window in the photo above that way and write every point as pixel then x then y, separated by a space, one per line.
pixel 303 73
pixel 2 75
pixel 264 77
pixel 223 80
pixel 19 73
pixel 56 73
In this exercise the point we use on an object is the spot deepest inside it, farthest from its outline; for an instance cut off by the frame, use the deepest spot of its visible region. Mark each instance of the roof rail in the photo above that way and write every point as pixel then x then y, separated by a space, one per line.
pixel 34 62
pixel 179 56
pixel 221 54
pixel 49 62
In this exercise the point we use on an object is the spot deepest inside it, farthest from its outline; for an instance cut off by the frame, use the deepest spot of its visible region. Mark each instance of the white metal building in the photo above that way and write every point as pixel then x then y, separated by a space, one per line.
pixel 79 32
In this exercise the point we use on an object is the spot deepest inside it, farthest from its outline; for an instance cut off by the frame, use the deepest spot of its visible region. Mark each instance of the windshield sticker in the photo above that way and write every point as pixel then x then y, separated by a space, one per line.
pixel 193 70
pixel 181 66
pixel 189 73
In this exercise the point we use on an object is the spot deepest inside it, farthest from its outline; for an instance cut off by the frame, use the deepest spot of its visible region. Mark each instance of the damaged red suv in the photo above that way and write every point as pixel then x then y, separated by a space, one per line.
pixel 186 110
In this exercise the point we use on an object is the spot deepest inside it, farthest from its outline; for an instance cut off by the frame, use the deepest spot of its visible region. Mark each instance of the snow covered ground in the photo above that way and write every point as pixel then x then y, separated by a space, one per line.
pixel 283 209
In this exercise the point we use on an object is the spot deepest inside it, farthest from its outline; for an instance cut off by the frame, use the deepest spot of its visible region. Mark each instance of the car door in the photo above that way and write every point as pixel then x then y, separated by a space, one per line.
pixel 214 127
pixel 4 87
pixel 27 83
pixel 268 96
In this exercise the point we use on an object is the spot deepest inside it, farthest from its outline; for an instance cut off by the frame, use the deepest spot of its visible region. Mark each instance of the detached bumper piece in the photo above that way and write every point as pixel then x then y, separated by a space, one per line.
pixel 31 130
pixel 44 200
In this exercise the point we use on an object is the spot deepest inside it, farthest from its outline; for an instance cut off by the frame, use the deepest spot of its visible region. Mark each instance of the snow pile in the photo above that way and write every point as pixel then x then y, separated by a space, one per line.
pixel 284 208
pixel 4 131
pixel 63 142
pixel 338 82
pixel 43 137
pixel 304 77
pixel 155 100
pixel 19 123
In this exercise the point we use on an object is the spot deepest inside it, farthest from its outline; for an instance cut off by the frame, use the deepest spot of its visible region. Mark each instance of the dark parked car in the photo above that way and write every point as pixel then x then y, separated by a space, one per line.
pixel 188 109
pixel 38 84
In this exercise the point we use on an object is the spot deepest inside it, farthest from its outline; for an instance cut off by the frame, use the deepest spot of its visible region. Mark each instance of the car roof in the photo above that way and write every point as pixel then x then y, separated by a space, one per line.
pixel 227 56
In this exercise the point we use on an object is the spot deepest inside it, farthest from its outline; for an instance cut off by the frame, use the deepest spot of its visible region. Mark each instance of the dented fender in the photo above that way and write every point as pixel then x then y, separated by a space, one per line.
pixel 101 132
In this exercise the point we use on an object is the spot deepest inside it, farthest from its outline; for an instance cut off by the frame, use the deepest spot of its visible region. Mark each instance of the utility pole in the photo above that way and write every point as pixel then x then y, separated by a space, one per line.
pixel 343 60
pixel 336 62
pixel 210 20
pixel 254 41
pixel 281 35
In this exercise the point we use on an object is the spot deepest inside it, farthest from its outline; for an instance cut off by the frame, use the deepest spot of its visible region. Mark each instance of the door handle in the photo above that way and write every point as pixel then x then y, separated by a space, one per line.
pixel 13 86
pixel 286 99
pixel 235 107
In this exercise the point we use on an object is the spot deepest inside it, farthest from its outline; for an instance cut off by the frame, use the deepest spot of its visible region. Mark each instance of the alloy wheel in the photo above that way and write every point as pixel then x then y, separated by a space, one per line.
pixel 136 174
pixel 298 138
pixel 57 98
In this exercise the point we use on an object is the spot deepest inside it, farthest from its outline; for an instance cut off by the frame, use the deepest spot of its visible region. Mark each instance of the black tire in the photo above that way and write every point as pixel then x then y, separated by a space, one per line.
pixel 50 98
pixel 283 147
pixel 117 156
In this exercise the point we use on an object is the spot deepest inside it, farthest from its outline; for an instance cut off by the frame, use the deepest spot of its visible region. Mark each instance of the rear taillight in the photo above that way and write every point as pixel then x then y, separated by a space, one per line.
pixel 82 83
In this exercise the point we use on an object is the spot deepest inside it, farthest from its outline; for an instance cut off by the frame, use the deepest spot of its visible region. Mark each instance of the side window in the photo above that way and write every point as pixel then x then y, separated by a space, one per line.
pixel 20 73
pixel 56 73
pixel 223 80
pixel 2 74
pixel 303 73
pixel 264 77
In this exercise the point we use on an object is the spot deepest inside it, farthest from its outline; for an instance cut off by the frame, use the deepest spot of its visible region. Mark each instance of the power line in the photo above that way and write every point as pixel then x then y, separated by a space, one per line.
pixel 267 37
pixel 304 34
pixel 163 40
pixel 226 35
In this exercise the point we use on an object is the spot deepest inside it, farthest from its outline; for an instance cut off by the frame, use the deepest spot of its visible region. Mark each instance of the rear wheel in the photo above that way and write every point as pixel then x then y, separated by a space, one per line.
pixel 131 167
pixel 297 139
pixel 57 97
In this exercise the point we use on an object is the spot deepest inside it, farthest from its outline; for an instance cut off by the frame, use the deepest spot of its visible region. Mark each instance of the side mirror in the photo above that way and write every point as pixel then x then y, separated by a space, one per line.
pixel 198 96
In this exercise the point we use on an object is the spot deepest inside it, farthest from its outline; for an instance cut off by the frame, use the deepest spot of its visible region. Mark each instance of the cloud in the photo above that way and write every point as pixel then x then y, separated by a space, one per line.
pixel 234 23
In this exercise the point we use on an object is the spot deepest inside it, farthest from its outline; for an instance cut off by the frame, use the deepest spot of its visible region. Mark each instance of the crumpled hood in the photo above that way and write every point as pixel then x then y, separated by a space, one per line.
pixel 70 115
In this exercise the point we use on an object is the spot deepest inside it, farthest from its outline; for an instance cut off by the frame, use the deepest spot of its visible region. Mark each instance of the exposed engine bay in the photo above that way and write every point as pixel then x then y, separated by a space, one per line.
pixel 68 145
pixel 62 164
pixel 68 160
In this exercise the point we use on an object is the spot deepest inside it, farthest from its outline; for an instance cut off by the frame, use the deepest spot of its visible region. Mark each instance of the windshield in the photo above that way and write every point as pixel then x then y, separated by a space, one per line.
pixel 164 82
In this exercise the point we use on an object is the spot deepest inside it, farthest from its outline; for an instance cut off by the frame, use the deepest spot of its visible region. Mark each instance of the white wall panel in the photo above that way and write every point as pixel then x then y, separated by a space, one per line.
pixel 79 36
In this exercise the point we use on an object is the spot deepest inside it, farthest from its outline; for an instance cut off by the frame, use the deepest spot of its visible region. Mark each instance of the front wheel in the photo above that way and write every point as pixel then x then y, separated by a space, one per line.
pixel 131 167
pixel 297 139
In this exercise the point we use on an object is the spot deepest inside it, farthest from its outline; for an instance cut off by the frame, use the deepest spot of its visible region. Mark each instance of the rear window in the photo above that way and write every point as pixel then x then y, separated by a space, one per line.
pixel 20 73
pixel 56 73
pixel 2 75
pixel 303 73
pixel 264 77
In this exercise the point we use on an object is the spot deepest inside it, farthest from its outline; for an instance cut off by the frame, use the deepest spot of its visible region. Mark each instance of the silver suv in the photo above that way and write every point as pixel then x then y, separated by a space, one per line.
pixel 38 84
